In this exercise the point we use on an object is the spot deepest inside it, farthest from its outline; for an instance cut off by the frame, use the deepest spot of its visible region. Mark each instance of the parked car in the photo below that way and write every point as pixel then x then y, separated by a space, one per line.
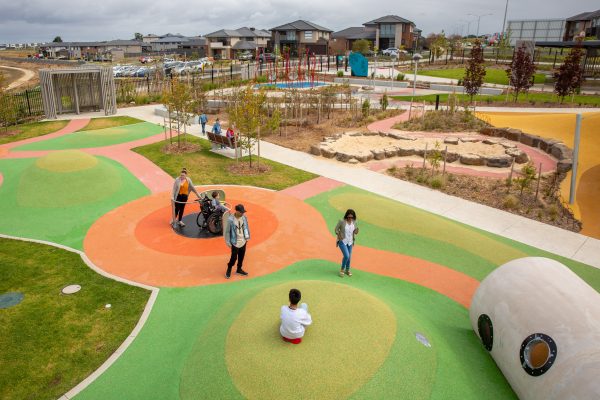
pixel 246 56
pixel 266 57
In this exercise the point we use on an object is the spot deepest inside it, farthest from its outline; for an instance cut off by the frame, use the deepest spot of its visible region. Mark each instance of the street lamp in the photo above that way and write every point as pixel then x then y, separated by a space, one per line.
pixel 416 57
pixel 479 20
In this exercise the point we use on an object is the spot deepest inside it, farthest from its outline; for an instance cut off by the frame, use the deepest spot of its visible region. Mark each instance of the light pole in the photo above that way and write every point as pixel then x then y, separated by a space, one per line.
pixel 479 20
pixel 504 23
pixel 416 57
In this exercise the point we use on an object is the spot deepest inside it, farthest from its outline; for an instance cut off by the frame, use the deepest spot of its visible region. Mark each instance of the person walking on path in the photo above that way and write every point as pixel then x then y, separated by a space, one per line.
pixel 237 234
pixel 182 187
pixel 346 231
pixel 294 319
pixel 203 119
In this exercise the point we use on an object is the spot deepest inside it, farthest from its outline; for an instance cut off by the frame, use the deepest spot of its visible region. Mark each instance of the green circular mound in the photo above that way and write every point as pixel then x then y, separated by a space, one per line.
pixel 66 161
pixel 350 339
pixel 67 178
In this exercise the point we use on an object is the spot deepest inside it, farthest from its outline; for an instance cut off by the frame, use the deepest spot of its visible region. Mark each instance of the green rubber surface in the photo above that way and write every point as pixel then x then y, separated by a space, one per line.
pixel 95 138
pixel 182 351
pixel 58 197
pixel 396 227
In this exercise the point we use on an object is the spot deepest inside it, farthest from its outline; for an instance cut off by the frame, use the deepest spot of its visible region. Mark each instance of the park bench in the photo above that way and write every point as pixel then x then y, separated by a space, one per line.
pixel 217 139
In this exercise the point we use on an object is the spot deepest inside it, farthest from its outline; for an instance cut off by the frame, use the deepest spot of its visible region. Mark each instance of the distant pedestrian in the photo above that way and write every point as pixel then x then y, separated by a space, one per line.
pixel 203 119
pixel 181 190
pixel 216 128
pixel 237 234
pixel 346 231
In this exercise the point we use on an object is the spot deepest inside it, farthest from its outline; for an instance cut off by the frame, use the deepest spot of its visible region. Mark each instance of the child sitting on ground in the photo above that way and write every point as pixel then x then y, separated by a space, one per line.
pixel 294 319
pixel 216 203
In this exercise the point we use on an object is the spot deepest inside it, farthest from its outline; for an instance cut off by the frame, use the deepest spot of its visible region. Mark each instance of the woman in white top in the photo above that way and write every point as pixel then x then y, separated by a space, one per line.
pixel 346 231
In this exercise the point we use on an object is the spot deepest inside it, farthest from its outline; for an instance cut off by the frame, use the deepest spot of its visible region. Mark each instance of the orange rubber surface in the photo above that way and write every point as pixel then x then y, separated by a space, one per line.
pixel 136 242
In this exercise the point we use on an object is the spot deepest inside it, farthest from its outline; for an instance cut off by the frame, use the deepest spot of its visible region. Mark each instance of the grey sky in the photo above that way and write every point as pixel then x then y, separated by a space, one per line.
pixel 82 20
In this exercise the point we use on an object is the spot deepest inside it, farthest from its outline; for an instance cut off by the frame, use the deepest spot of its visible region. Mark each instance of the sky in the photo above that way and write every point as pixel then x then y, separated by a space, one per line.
pixel 88 20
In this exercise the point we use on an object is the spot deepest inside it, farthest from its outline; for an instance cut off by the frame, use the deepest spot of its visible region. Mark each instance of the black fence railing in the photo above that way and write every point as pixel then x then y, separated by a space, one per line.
pixel 21 106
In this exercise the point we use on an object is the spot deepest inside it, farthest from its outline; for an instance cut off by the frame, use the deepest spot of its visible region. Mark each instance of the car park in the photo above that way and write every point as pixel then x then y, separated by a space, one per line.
pixel 245 56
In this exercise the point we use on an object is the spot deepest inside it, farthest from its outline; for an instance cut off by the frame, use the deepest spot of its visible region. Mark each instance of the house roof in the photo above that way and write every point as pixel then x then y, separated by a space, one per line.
pixel 586 16
pixel 171 39
pixel 355 32
pixel 300 25
pixel 250 32
pixel 245 45
pixel 115 43
pixel 195 41
pixel 389 19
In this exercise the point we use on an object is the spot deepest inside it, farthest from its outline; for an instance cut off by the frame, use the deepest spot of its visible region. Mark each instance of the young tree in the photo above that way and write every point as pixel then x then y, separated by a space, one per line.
pixel 520 72
pixel 384 102
pixel 138 36
pixel 57 39
pixel 475 71
pixel 361 46
pixel 437 43
pixel 528 173
pixel 569 76
pixel 180 105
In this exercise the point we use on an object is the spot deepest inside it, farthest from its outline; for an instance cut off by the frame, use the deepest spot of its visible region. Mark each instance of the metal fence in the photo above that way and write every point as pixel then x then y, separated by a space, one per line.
pixel 21 106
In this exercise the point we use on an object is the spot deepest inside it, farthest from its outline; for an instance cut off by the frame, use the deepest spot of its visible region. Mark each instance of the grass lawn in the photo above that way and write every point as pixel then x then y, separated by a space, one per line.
pixel 207 168
pixel 493 75
pixel 531 98
pixel 110 122
pixel 50 342
pixel 29 130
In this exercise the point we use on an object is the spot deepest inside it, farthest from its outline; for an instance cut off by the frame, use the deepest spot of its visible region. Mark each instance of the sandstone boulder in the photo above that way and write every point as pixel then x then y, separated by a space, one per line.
pixel 471 159
pixel 391 152
pixel 328 152
pixel 469 139
pixel 364 157
pixel 519 155
pixel 490 141
pixel 451 140
pixel 507 145
pixel 315 149
pixel 561 151
pixel 406 151
pixel 343 157
pixel 513 134
pixel 451 157
pixel 501 161
pixel 546 144
pixel 378 154
pixel 353 161
pixel 564 166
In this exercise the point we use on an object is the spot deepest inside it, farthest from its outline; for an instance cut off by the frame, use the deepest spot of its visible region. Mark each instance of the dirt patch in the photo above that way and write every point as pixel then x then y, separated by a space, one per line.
pixel 301 138
pixel 8 133
pixel 546 208
pixel 182 148
pixel 243 168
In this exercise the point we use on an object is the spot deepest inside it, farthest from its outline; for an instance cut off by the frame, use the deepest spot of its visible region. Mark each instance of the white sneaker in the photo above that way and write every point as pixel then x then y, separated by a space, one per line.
pixel 181 224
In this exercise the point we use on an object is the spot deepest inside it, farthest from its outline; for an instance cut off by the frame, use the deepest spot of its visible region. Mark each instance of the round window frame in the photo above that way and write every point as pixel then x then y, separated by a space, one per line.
pixel 553 352
pixel 488 344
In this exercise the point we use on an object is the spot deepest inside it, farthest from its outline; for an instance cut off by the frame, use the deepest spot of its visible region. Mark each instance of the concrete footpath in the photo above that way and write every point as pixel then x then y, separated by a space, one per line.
pixel 546 237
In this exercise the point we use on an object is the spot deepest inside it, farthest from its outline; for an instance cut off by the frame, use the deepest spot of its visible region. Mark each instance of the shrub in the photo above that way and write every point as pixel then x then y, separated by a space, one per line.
pixel 510 202
pixel 437 182
pixel 400 77
pixel 366 108
pixel 409 170
pixel 384 101
pixel 552 211
pixel 340 74
pixel 261 79
pixel 141 100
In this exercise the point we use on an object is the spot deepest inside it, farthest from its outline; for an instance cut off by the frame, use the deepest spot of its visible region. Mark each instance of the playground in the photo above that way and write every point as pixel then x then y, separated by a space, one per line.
pixel 398 328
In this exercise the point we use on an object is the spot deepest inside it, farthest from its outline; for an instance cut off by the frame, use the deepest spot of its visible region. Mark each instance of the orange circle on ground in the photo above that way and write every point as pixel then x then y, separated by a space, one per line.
pixel 154 232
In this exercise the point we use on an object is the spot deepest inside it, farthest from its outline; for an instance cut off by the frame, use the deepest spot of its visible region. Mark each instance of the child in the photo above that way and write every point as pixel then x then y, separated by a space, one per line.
pixel 294 319
pixel 216 203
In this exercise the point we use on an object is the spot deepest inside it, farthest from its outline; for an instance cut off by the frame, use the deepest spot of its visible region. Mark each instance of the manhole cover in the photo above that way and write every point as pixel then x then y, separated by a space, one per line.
pixel 71 289
pixel 421 338
pixel 11 299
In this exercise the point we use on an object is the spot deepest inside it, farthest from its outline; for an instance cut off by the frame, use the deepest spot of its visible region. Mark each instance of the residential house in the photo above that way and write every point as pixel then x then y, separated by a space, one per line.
pixel 170 42
pixel 383 33
pixel 584 24
pixel 227 43
pixel 150 38
pixel 392 31
pixel 195 45
pixel 90 50
pixel 301 37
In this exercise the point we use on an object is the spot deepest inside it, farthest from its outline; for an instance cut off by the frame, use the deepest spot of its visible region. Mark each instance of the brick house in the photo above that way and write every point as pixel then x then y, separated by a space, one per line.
pixel 383 33
pixel 301 36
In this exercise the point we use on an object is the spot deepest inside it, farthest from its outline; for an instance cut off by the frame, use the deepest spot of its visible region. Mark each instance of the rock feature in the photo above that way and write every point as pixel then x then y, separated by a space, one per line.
pixel 315 149
pixel 353 161
pixel 390 152
pixel 519 155
pixel 502 161
pixel 378 154
pixel 561 151
pixel 451 140
pixel 471 159
pixel 405 152
pixel 468 139
pixel 327 152
pixel 564 166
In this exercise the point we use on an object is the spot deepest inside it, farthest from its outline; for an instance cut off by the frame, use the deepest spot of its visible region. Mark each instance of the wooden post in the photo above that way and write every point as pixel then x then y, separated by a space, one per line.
pixel 445 155
pixel 537 189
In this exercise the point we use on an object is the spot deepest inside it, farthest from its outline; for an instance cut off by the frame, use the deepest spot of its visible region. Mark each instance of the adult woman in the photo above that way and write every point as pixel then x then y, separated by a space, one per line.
pixel 346 231
pixel 181 190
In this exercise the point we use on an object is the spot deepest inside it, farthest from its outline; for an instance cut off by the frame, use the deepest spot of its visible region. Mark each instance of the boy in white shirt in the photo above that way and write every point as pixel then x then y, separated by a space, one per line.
pixel 294 319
